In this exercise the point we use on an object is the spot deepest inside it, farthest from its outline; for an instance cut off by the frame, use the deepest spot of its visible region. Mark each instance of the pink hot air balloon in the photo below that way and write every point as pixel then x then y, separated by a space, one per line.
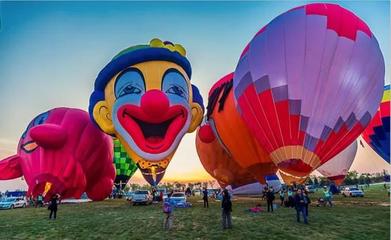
pixel 63 152
pixel 308 84
pixel 337 168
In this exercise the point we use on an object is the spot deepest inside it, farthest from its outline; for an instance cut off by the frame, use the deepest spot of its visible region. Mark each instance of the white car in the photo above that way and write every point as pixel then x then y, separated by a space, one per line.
pixel 13 202
pixel 142 196
pixel 352 192
pixel 179 199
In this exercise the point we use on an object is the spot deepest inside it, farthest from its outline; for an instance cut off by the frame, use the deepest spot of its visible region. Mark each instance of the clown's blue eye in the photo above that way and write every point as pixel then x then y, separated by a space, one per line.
pixel 129 90
pixel 177 91
pixel 131 81
pixel 175 84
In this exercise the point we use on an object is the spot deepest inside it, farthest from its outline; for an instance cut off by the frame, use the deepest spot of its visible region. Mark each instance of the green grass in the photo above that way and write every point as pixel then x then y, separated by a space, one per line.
pixel 352 218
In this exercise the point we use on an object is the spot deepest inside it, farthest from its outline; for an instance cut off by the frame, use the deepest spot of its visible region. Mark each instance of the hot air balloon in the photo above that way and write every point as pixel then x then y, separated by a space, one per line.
pixel 256 188
pixel 124 166
pixel 337 168
pixel 377 134
pixel 291 179
pixel 63 152
pixel 144 97
pixel 232 132
pixel 308 84
pixel 217 162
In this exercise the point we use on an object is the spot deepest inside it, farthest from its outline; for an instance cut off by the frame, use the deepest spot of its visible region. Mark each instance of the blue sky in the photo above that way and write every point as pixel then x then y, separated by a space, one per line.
pixel 51 52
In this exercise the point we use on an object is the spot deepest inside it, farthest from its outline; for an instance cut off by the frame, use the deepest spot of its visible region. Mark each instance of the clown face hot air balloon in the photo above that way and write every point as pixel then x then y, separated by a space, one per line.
pixel 144 97
pixel 124 166
pixel 377 134
pixel 234 134
pixel 63 152
pixel 217 162
pixel 308 84
pixel 337 168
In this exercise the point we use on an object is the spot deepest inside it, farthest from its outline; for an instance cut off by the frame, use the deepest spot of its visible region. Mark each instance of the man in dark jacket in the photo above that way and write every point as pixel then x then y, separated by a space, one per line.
pixel 205 198
pixel 300 203
pixel 53 206
pixel 226 206
pixel 270 199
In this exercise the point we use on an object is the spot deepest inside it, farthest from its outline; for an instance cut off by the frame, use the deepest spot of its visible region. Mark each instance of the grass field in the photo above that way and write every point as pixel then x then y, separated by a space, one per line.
pixel 351 218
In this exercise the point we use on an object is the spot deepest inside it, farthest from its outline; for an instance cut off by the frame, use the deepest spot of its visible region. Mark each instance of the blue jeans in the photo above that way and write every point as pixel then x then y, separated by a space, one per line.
pixel 301 210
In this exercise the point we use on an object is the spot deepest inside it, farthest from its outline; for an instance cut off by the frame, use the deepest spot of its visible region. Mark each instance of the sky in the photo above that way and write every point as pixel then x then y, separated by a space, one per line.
pixel 51 53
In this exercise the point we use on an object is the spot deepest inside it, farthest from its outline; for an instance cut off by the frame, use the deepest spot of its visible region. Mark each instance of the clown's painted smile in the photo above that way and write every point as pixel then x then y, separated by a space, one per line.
pixel 152 134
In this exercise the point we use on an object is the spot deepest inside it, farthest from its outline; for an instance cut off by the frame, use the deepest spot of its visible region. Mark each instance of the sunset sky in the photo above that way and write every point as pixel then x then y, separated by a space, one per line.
pixel 51 53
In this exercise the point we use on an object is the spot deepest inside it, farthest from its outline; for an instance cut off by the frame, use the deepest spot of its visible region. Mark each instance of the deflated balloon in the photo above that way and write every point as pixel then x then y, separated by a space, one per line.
pixel 63 152
pixel 308 84
pixel 337 168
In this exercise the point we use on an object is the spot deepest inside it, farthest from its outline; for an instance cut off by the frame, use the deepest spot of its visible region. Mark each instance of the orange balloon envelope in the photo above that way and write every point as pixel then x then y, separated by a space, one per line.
pixel 234 134
pixel 218 163
pixel 290 179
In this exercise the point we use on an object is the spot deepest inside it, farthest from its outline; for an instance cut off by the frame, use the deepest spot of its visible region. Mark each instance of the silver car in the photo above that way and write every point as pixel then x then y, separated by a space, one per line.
pixel 352 192
pixel 13 202
pixel 142 197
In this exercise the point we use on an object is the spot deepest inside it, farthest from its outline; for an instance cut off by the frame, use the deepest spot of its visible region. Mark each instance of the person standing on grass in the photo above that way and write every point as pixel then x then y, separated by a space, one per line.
pixel 282 196
pixel 168 211
pixel 308 201
pixel 39 201
pixel 205 198
pixel 327 196
pixel 53 206
pixel 290 198
pixel 226 206
pixel 300 202
pixel 270 199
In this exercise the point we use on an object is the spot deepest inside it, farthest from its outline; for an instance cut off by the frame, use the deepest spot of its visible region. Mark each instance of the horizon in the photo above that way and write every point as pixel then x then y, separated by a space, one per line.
pixel 52 52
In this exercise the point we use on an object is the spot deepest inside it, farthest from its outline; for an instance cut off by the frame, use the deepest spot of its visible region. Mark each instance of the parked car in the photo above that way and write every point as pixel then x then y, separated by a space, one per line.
pixel 310 188
pixel 352 192
pixel 179 199
pixel 129 196
pixel 13 202
pixel 142 196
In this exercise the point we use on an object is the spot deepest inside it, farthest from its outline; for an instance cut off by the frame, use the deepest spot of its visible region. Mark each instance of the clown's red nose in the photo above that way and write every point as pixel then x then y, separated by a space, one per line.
pixel 154 103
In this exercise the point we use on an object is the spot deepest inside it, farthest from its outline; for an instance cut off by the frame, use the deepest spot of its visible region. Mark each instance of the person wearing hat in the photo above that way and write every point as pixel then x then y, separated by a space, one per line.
pixel 144 97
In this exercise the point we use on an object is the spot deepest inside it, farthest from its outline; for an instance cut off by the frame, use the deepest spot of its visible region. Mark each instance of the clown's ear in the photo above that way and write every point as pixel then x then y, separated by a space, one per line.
pixel 10 168
pixel 102 117
pixel 196 116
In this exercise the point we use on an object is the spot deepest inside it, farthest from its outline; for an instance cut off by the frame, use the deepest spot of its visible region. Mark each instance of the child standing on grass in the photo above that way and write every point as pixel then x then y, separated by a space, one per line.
pixel 327 196
pixel 168 212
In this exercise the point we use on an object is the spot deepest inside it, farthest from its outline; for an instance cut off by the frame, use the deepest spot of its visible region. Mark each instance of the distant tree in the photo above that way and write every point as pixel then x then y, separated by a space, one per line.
pixel 323 181
pixel 309 181
pixel 134 186
pixel 316 182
